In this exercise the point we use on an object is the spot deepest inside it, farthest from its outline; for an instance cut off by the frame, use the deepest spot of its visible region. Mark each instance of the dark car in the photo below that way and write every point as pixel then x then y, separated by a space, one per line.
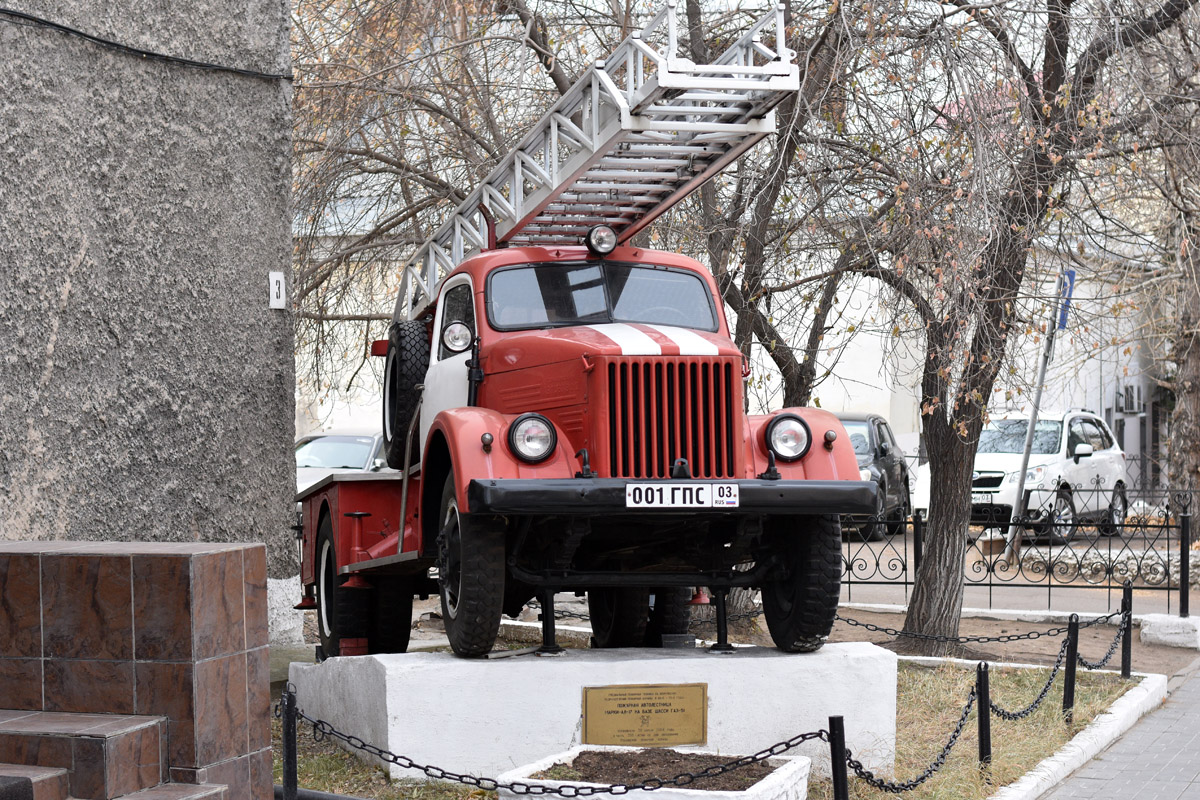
pixel 881 460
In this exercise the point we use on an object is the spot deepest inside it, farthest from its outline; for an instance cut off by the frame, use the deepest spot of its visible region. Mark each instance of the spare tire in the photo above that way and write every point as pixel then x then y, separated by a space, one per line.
pixel 404 370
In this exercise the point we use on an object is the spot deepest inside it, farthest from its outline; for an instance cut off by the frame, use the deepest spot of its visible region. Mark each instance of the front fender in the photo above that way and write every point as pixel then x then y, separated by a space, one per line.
pixel 820 462
pixel 463 430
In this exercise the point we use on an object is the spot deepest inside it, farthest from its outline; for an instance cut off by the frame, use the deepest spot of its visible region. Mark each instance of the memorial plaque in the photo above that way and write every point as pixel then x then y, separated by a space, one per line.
pixel 652 715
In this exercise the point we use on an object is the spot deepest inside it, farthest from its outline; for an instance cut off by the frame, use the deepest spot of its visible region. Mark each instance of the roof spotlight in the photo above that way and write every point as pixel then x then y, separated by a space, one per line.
pixel 601 240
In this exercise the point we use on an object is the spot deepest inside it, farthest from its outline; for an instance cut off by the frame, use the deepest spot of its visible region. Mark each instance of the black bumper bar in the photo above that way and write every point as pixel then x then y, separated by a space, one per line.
pixel 596 497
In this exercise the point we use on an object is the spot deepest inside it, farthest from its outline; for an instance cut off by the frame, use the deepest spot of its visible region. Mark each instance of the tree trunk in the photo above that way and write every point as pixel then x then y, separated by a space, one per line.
pixel 1185 421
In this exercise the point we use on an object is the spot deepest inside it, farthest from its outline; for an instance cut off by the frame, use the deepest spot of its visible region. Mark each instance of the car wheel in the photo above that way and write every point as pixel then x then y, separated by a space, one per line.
pixel 341 612
pixel 407 362
pixel 1118 510
pixel 898 521
pixel 800 606
pixel 470 562
pixel 1059 527
pixel 875 529
pixel 671 615
pixel 619 615
pixel 391 620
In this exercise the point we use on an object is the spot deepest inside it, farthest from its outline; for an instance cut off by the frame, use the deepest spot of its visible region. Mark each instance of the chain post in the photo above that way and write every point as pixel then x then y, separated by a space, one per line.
pixel 721 595
pixel 550 644
pixel 1068 704
pixel 837 758
pixel 287 704
pixel 985 714
pixel 918 526
pixel 1185 561
pixel 1127 627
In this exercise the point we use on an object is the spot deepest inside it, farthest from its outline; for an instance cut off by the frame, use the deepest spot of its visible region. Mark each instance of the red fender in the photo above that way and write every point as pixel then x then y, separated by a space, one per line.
pixel 463 430
pixel 820 462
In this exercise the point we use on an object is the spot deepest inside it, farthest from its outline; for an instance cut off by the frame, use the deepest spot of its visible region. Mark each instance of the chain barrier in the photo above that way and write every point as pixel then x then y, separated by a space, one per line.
pixel 1112 648
pixel 1009 637
pixel 892 787
pixel 323 730
pixel 1032 707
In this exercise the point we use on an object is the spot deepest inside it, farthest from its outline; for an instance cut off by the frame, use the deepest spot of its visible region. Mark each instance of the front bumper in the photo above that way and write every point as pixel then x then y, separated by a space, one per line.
pixel 596 497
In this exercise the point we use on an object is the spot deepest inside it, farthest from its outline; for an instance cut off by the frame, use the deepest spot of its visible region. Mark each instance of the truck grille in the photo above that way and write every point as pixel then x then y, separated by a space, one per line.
pixel 661 409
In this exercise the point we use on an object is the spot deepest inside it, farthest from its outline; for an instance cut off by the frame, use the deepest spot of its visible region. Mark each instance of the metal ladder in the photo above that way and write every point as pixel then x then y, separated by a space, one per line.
pixel 637 132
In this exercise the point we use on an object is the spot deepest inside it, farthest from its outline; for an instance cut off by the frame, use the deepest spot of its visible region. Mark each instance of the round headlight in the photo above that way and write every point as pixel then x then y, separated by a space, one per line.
pixel 788 437
pixel 456 337
pixel 601 239
pixel 532 438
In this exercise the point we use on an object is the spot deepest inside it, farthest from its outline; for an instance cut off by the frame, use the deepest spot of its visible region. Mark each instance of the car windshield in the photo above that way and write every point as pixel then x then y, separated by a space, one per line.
pixel 558 295
pixel 334 452
pixel 1008 436
pixel 860 437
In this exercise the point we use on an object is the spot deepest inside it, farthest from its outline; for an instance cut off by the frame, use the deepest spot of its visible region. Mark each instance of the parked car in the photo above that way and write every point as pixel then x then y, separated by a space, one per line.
pixel 881 460
pixel 321 454
pixel 1076 472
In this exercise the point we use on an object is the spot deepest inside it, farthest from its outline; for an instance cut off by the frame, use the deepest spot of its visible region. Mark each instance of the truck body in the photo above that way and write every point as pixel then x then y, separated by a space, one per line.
pixel 571 416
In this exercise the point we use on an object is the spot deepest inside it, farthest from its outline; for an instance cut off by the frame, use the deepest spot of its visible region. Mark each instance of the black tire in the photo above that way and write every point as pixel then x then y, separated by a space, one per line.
pixel 391 618
pixel 800 607
pixel 898 520
pixel 1060 525
pixel 407 362
pixel 341 612
pixel 619 616
pixel 875 529
pixel 670 616
pixel 470 561
pixel 1116 513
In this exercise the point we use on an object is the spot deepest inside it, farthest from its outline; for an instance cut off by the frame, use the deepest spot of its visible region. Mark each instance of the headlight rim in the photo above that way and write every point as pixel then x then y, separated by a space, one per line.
pixel 512 432
pixel 769 429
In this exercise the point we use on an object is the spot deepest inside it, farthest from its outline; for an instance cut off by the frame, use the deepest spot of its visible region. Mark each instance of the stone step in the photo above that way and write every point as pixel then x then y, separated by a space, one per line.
pixel 181 791
pixel 105 755
pixel 23 782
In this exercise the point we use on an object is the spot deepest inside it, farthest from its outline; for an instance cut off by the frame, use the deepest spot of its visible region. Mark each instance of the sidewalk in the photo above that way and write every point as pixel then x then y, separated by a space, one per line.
pixel 1156 760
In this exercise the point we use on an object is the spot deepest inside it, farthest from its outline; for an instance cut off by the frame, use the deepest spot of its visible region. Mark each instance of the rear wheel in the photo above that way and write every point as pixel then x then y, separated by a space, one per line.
pixel 407 362
pixel 1118 510
pixel 619 615
pixel 800 607
pixel 671 615
pixel 341 612
pixel 470 561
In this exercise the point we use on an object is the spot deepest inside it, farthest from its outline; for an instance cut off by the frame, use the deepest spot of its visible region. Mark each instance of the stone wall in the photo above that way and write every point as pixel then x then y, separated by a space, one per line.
pixel 146 390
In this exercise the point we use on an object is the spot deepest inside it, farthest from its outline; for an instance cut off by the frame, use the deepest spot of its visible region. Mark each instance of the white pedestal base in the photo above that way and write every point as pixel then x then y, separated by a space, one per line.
pixel 484 717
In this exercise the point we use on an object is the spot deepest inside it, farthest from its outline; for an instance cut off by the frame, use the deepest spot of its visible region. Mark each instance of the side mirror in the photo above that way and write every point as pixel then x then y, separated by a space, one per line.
pixel 1082 451
pixel 884 448
pixel 378 464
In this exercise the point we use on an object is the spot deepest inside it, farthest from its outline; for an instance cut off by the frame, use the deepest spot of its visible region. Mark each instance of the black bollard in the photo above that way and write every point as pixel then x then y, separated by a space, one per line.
pixel 287 705
pixel 720 595
pixel 1068 705
pixel 837 759
pixel 918 540
pixel 1127 628
pixel 1185 561
pixel 550 644
pixel 983 704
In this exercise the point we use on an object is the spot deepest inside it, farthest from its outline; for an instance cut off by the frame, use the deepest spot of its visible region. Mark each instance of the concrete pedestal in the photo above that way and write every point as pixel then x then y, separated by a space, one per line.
pixel 485 717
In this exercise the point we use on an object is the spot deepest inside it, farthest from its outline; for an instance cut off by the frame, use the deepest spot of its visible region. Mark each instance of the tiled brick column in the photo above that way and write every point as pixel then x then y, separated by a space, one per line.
pixel 160 629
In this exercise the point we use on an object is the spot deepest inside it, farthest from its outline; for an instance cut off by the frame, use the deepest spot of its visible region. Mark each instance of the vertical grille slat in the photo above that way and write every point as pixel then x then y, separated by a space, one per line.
pixel 663 409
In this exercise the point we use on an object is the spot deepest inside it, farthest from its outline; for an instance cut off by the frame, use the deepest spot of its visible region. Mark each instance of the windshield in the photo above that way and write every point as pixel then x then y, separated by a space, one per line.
pixel 335 452
pixel 1008 436
pixel 557 295
pixel 860 437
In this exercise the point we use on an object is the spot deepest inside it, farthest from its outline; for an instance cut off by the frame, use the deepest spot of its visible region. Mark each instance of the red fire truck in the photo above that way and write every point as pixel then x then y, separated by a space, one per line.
pixel 567 410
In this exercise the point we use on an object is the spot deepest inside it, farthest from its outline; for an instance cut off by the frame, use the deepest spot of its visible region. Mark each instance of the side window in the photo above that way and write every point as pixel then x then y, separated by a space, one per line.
pixel 1096 436
pixel 1075 435
pixel 457 306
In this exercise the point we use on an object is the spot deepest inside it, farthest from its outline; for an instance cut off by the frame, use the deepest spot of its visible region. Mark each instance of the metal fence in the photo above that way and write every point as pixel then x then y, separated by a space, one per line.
pixel 1072 538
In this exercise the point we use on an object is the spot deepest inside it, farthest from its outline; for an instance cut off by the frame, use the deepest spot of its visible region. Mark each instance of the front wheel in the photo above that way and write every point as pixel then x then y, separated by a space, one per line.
pixel 899 518
pixel 800 606
pixel 470 561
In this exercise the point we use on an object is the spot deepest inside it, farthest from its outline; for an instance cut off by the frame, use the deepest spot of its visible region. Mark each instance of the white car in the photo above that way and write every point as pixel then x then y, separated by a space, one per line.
pixel 1076 472
pixel 322 454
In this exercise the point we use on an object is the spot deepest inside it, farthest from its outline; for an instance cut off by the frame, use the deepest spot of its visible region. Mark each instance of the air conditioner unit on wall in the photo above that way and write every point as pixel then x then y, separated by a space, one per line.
pixel 1128 399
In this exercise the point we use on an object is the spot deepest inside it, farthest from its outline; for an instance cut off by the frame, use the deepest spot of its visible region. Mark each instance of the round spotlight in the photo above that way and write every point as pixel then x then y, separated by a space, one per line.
pixel 457 337
pixel 532 438
pixel 788 437
pixel 601 240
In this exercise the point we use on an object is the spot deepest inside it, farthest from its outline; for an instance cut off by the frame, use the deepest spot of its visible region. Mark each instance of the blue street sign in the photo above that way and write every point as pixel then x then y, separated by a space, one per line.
pixel 1068 288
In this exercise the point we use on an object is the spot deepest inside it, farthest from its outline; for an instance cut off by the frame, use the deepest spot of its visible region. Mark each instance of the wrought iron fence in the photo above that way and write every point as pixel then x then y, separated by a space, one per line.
pixel 1071 537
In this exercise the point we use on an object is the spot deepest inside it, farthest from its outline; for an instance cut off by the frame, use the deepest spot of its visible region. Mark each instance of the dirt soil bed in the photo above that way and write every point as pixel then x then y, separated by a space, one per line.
pixel 611 767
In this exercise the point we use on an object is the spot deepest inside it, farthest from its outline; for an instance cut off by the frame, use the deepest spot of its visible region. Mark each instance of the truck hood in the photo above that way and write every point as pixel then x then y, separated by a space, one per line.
pixel 544 346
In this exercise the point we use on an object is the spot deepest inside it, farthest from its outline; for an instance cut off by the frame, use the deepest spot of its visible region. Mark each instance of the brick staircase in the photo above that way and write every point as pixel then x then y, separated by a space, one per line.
pixel 133 670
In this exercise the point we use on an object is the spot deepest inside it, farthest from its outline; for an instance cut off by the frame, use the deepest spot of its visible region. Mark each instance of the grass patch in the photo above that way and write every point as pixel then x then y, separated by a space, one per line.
pixel 929 703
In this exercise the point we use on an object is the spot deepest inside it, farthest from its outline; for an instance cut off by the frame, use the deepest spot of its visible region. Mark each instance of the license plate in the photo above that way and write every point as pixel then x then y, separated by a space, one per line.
pixel 982 499
pixel 681 495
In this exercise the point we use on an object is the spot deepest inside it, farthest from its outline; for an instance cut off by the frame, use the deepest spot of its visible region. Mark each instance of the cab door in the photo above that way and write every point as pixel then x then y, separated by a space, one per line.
pixel 446 378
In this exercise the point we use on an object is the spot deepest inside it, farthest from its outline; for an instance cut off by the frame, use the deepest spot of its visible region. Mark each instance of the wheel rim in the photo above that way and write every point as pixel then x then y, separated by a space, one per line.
pixel 451 560
pixel 389 398
pixel 1064 515
pixel 326 588
pixel 1118 509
